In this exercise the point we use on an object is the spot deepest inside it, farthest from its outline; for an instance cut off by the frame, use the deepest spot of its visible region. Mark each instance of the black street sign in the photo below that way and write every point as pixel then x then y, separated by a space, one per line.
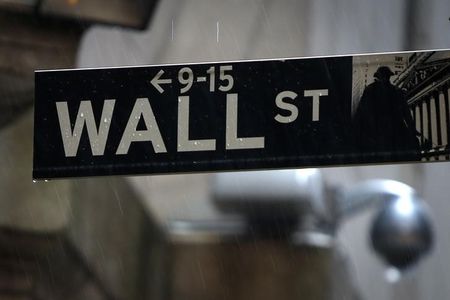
pixel 281 113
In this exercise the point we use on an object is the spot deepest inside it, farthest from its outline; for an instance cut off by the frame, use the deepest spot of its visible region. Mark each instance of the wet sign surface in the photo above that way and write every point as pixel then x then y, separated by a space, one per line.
pixel 242 115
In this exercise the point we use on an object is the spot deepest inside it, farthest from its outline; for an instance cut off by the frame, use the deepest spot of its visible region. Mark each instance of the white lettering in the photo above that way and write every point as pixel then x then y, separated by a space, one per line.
pixel 232 140
pixel 97 138
pixel 286 106
pixel 315 94
pixel 131 134
pixel 184 144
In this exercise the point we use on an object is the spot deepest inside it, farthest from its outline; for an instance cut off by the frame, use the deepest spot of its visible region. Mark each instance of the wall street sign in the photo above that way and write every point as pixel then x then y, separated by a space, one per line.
pixel 281 113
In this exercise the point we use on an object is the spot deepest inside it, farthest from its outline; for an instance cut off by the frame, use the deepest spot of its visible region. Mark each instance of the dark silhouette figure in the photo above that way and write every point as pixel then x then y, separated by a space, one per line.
pixel 383 122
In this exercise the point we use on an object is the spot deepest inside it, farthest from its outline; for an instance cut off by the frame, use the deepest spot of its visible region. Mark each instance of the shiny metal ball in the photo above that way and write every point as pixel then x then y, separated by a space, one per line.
pixel 402 232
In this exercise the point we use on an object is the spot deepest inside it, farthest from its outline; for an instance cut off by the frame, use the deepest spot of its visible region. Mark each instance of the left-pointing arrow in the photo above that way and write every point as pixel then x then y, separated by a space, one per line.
pixel 157 81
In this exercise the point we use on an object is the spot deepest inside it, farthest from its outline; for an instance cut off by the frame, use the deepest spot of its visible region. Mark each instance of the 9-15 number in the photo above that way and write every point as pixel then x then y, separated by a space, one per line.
pixel 186 78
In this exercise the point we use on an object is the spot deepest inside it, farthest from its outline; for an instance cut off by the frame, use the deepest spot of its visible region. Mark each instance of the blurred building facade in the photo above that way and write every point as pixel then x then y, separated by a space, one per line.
pixel 106 218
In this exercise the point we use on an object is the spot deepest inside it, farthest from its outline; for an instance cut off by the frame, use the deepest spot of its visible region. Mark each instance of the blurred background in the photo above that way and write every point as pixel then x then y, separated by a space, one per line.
pixel 108 238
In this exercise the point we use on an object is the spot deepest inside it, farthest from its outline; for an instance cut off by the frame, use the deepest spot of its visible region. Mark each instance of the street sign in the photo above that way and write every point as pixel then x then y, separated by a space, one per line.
pixel 262 114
